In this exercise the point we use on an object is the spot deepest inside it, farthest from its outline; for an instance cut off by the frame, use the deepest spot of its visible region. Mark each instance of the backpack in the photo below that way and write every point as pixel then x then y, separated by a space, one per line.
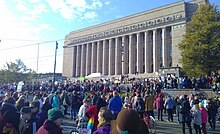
pixel 183 107
pixel 140 105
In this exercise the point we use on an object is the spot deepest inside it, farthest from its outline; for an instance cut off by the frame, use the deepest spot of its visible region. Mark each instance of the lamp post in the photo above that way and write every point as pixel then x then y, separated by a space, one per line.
pixel 54 72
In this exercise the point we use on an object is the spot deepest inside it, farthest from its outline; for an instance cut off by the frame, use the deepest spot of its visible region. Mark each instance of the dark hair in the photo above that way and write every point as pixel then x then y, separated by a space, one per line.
pixel 25 110
pixel 10 100
pixel 35 104
pixel 57 93
pixel 106 114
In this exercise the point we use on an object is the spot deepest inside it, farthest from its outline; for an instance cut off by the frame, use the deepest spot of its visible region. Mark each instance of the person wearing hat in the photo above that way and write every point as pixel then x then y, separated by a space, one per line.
pixel 26 125
pixel 53 123
pixel 128 122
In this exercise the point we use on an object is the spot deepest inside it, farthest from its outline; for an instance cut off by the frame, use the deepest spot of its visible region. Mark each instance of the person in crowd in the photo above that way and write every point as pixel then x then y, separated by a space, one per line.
pixel 43 112
pixel 53 124
pixel 127 103
pixel 149 104
pixel 115 104
pixel 74 105
pixel 15 95
pixel 82 118
pixel 169 105
pixel 38 97
pixel 100 102
pixel 56 100
pixel 160 107
pixel 197 119
pixel 212 111
pixel 140 106
pixel 35 109
pixel 20 103
pixel 104 117
pixel 26 125
pixel 50 96
pixel 185 114
pixel 177 99
pixel 10 116
pixel 128 122
pixel 92 112
pixel 204 115
pixel 65 101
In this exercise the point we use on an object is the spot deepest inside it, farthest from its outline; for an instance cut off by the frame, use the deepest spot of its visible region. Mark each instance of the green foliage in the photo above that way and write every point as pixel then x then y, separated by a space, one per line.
pixel 15 72
pixel 200 48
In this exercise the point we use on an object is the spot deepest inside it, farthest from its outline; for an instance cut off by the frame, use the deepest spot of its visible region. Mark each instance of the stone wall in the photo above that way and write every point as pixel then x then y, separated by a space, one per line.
pixel 178 92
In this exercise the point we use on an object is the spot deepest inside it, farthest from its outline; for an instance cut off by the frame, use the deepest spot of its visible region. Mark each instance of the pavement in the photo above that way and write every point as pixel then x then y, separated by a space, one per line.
pixel 163 127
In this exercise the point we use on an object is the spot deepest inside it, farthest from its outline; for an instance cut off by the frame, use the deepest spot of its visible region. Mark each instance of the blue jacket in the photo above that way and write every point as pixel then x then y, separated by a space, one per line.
pixel 55 102
pixel 169 103
pixel 115 104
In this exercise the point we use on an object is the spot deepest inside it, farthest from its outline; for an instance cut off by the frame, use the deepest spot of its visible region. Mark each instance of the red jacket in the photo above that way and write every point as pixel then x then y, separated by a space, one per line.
pixel 93 111
pixel 204 115
pixel 160 103
pixel 49 127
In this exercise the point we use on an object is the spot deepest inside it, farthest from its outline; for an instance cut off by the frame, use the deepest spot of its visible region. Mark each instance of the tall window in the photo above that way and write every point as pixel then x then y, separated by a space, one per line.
pixel 170 50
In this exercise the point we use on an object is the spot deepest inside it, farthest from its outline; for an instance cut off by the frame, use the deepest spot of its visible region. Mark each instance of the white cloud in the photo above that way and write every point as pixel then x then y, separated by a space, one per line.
pixel 21 28
pixel 46 26
pixel 90 15
pixel 75 9
pixel 21 6
pixel 76 3
pixel 107 2
pixel 34 1
pixel 96 4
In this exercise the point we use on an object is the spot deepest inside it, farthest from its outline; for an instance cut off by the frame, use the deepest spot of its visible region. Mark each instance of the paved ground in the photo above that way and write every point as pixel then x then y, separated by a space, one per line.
pixel 163 127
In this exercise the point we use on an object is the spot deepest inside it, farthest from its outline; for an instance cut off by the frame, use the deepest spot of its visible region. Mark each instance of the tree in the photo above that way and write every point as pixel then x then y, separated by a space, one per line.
pixel 200 48
pixel 15 72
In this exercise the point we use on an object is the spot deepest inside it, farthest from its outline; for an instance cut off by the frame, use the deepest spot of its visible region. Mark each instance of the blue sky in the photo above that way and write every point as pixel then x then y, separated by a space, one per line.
pixel 25 23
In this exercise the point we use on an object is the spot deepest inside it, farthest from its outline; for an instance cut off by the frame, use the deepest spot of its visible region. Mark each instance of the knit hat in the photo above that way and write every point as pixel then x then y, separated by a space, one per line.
pixel 54 114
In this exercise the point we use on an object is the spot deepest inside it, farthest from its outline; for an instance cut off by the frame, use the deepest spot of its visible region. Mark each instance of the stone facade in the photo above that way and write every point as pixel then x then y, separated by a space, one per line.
pixel 141 43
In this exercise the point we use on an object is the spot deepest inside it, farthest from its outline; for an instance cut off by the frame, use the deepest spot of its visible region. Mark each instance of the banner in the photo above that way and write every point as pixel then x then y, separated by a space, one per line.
pixel 19 87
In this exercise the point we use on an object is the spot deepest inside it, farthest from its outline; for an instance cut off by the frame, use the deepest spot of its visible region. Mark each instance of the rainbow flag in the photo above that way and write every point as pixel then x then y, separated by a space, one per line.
pixel 90 124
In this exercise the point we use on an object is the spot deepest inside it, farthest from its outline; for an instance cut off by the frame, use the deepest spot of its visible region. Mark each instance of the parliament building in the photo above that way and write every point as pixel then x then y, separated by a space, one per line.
pixel 141 43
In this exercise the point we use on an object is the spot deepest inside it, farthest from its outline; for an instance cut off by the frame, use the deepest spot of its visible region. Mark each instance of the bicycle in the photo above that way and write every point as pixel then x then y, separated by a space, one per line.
pixel 151 123
pixel 81 131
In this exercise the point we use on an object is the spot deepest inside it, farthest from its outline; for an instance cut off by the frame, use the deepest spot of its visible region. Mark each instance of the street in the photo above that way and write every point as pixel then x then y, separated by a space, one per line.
pixel 163 127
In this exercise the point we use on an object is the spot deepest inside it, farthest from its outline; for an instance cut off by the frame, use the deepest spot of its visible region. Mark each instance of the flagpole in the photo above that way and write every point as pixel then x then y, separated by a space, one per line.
pixel 37 62
pixel 54 72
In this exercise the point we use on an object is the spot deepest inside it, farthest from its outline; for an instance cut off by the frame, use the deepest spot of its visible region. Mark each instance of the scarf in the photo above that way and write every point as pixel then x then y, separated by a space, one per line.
pixel 103 124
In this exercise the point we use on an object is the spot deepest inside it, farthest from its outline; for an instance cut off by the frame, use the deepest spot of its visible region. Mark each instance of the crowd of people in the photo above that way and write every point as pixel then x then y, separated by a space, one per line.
pixel 103 107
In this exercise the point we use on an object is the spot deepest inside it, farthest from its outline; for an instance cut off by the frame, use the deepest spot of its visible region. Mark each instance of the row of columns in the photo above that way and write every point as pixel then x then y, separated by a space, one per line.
pixel 127 54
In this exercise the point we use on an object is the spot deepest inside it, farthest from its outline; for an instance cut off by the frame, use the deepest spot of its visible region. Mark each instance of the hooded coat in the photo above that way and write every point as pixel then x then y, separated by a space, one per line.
pixel 49 127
